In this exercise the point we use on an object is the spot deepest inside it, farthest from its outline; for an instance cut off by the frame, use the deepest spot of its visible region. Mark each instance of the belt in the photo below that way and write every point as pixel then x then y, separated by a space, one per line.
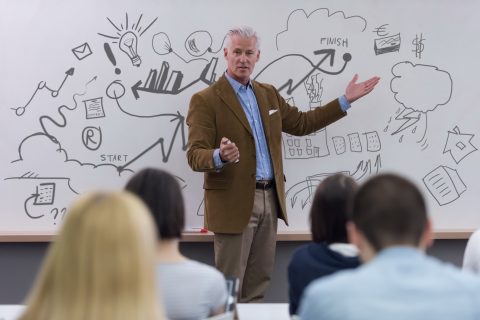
pixel 264 184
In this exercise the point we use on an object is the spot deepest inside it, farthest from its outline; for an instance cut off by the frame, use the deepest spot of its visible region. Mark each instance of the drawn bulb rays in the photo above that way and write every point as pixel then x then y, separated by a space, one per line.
pixel 127 37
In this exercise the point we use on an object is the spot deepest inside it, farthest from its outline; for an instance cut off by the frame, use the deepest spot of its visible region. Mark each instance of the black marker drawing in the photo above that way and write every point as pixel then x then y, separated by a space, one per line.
pixel 419 89
pixel 55 213
pixel 82 51
pixel 164 82
pixel 314 89
pixel 111 57
pixel 94 108
pixel 444 184
pixel 355 143
pixel 298 19
pixel 127 38
pixel 304 148
pixel 57 157
pixel 304 62
pixel 45 194
pixel 373 141
pixel 419 46
pixel 459 144
pixel 19 111
pixel 161 45
pixel 200 42
pixel 63 123
pixel 116 91
pixel 381 31
pixel 372 138
pixel 339 145
pixel 92 138
pixel 305 190
pixel 387 44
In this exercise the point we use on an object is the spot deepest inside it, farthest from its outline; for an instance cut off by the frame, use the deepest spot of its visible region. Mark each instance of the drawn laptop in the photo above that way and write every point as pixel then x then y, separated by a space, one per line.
pixel 232 290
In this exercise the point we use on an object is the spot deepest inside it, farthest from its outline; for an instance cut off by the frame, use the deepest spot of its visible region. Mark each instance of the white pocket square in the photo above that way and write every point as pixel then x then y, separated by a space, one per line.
pixel 270 112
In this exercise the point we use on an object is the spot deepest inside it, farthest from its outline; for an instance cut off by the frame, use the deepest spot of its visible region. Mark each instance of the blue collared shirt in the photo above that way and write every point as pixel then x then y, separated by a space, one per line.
pixel 399 283
pixel 247 99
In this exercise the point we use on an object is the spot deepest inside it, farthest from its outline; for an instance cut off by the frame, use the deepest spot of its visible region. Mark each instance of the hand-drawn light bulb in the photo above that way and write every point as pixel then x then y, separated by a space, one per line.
pixel 128 44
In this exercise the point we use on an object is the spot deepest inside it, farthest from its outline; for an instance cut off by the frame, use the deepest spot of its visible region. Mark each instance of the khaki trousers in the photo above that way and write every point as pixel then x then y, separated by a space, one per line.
pixel 249 256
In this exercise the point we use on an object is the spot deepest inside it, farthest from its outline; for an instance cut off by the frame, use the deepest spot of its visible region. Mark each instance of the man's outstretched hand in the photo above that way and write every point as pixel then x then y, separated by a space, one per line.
pixel 356 90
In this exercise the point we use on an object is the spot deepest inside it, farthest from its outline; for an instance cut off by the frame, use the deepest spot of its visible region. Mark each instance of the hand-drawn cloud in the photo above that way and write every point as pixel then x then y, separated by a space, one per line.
pixel 198 43
pixel 53 161
pixel 317 28
pixel 420 87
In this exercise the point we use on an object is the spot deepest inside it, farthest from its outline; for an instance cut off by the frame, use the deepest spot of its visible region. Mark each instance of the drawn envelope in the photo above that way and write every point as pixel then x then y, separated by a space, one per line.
pixel 82 51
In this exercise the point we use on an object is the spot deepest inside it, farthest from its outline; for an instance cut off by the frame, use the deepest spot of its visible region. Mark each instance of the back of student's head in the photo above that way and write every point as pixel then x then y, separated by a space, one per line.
pixel 329 211
pixel 390 210
pixel 101 265
pixel 161 192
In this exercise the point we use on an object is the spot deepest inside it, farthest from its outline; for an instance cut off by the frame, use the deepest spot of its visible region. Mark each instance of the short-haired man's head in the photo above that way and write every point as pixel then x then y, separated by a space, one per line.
pixel 161 192
pixel 390 210
pixel 243 32
pixel 329 211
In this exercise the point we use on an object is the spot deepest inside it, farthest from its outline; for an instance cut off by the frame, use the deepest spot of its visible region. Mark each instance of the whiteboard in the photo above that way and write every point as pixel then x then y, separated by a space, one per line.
pixel 92 92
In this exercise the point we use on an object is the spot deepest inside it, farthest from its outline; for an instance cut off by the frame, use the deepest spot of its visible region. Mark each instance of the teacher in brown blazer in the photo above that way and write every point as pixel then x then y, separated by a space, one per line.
pixel 235 137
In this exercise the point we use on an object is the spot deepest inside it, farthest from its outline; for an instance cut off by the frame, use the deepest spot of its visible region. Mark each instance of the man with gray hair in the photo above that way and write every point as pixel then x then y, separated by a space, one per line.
pixel 235 138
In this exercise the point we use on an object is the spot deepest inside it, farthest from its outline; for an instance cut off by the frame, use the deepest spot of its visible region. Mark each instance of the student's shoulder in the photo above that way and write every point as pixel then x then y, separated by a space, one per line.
pixel 302 254
pixel 339 282
pixel 205 269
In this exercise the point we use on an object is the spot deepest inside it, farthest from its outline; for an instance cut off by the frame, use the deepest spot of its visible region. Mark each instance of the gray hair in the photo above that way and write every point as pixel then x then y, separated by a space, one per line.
pixel 244 32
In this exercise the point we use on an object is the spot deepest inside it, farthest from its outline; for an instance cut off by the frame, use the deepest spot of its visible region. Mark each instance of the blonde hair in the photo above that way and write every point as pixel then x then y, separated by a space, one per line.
pixel 101 265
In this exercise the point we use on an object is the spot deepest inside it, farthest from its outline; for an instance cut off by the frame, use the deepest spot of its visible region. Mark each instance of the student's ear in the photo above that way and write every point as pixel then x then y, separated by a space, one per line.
pixel 352 233
pixel 427 237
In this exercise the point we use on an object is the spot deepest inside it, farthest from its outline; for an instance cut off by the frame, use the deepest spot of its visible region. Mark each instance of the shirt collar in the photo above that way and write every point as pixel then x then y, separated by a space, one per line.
pixel 237 85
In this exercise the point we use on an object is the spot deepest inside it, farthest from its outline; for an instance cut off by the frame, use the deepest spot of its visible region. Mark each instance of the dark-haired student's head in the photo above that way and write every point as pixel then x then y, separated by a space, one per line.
pixel 329 211
pixel 162 194
pixel 389 210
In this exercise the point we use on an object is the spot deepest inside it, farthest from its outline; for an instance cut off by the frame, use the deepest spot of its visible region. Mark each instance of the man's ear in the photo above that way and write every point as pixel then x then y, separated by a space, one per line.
pixel 352 232
pixel 258 55
pixel 427 237
pixel 225 52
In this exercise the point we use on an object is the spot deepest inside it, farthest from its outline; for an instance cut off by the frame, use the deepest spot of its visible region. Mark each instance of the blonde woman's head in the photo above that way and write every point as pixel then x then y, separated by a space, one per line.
pixel 101 265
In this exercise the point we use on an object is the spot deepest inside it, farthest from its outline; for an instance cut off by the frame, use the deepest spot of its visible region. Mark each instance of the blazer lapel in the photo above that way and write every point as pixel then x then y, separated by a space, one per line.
pixel 263 108
pixel 226 93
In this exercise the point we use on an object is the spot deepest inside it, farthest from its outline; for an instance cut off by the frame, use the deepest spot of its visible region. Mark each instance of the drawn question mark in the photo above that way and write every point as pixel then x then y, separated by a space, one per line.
pixel 55 212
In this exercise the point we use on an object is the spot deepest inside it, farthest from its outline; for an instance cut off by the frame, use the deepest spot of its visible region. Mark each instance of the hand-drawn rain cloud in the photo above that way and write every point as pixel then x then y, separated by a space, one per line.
pixel 322 27
pixel 420 87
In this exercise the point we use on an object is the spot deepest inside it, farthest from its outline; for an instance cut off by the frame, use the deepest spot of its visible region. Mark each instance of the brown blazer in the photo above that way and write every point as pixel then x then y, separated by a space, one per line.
pixel 215 112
